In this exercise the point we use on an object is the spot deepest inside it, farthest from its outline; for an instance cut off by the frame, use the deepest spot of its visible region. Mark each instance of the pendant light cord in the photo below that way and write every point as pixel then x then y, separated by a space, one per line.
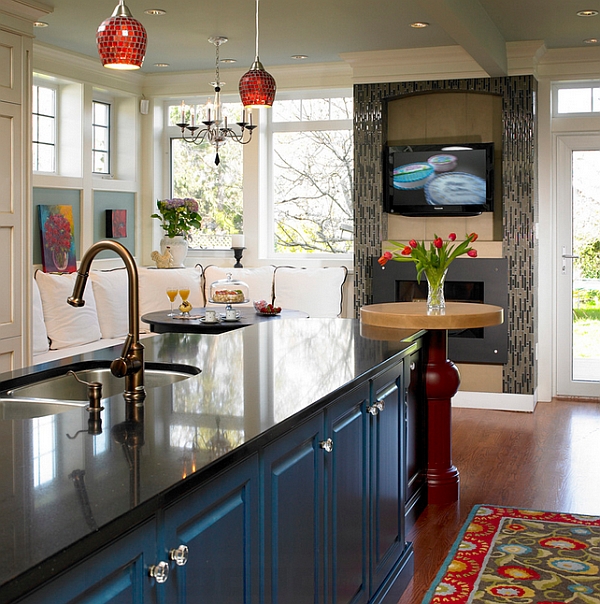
pixel 256 30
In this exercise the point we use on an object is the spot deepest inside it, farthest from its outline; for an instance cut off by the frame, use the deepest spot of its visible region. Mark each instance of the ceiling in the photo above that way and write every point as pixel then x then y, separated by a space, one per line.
pixel 324 29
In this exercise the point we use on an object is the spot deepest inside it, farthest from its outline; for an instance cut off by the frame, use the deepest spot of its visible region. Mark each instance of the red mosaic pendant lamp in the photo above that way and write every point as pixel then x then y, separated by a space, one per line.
pixel 121 40
pixel 257 86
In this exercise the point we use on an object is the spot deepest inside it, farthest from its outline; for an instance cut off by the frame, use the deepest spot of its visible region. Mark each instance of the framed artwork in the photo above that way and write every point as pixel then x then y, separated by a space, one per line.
pixel 116 224
pixel 58 241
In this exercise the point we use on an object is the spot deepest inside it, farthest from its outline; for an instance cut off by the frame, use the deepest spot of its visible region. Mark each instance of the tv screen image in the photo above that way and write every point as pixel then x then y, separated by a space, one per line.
pixel 424 180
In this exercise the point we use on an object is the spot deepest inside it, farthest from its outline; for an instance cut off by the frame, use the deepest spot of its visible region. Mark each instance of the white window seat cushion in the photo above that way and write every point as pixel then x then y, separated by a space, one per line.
pixel 153 289
pixel 316 291
pixel 40 335
pixel 111 291
pixel 67 326
pixel 52 355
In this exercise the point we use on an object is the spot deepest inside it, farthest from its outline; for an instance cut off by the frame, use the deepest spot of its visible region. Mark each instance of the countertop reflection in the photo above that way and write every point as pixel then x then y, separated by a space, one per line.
pixel 59 484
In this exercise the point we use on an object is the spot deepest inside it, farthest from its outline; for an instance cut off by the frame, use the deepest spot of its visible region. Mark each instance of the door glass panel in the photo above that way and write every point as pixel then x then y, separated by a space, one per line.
pixel 586 268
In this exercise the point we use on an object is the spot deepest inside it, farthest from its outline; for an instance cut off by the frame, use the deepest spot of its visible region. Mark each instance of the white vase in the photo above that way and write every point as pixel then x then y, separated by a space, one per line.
pixel 178 246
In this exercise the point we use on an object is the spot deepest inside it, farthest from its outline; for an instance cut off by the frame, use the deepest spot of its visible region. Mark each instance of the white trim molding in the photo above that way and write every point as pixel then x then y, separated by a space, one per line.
pixel 441 62
pixel 497 401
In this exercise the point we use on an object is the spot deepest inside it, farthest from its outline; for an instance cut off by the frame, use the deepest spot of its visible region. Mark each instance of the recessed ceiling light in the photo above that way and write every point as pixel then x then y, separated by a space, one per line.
pixel 587 13
pixel 161 64
pixel 40 24
pixel 155 11
pixel 591 41
pixel 419 24
pixel 228 60
pixel 299 57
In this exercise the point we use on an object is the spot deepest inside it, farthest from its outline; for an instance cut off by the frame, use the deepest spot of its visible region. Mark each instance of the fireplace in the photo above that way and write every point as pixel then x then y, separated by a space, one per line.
pixel 474 280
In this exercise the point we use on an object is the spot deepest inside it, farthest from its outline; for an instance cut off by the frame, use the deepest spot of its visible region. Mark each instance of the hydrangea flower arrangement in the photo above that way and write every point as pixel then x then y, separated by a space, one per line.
pixel 178 216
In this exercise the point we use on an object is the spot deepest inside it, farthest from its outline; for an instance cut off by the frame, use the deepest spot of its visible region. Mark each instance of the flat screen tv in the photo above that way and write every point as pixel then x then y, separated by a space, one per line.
pixel 439 179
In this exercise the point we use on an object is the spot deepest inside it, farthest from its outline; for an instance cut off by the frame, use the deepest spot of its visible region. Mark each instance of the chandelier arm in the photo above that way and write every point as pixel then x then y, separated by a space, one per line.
pixel 238 138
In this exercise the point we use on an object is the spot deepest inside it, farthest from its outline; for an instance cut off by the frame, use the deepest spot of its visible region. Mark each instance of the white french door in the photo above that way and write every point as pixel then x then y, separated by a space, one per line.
pixel 578 265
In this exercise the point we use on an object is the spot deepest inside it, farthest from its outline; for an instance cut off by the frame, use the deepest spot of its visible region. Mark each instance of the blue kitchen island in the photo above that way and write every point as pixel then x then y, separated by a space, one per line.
pixel 284 472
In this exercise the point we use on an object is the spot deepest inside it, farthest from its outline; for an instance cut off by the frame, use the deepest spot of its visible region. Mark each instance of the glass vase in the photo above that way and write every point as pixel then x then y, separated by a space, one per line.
pixel 435 289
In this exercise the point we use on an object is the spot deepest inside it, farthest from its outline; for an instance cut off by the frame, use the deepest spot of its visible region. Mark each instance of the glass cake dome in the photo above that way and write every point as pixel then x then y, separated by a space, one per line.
pixel 229 291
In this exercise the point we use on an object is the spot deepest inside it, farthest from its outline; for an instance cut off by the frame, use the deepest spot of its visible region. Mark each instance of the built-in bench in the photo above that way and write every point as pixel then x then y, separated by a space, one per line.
pixel 60 330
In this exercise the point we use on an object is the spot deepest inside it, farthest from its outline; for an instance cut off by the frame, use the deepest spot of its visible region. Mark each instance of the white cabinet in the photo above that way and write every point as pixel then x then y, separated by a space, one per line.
pixel 13 167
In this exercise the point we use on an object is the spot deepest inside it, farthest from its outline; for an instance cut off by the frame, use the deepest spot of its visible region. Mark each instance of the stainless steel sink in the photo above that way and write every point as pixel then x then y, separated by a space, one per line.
pixel 23 408
pixel 55 391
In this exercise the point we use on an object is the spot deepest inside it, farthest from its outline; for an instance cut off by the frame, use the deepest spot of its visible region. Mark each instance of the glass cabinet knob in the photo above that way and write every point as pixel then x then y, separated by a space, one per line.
pixel 160 572
pixel 327 445
pixel 179 555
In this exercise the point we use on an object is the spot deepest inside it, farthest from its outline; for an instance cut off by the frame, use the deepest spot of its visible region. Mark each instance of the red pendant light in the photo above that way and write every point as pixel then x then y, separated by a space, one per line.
pixel 121 40
pixel 257 86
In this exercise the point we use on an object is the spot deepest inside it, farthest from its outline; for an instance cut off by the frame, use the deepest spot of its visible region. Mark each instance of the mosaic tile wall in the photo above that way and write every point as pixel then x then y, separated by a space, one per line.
pixel 519 201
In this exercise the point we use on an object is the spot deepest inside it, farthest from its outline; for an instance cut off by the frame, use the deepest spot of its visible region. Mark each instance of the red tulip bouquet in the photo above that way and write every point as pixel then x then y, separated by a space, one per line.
pixel 434 262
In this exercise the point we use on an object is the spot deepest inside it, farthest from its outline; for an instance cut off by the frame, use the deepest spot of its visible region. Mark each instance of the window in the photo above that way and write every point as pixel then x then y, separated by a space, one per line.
pixel 218 189
pixel 577 98
pixel 311 174
pixel 44 129
pixel 43 437
pixel 100 137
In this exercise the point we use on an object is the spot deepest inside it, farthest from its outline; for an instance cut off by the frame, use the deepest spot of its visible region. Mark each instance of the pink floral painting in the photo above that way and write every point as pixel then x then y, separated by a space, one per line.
pixel 116 223
pixel 58 241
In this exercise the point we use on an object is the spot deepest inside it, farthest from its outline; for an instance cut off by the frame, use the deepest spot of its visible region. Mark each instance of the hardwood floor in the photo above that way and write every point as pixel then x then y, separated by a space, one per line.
pixel 546 460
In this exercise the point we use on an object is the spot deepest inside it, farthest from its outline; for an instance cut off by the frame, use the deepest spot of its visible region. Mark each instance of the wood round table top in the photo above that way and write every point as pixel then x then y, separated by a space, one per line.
pixel 457 315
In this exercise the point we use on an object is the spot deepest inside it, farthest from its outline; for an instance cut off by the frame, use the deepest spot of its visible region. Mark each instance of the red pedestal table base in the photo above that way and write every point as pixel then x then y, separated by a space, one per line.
pixel 442 380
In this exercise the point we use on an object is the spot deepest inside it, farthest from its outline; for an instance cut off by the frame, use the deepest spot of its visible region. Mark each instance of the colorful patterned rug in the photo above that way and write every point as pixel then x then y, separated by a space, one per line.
pixel 511 556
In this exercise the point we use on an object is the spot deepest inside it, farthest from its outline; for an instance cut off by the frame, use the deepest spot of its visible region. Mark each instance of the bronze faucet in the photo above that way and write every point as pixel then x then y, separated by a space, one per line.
pixel 130 364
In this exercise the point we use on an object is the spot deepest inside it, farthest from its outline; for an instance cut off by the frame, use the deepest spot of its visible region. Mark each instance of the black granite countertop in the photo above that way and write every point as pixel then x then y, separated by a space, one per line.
pixel 64 492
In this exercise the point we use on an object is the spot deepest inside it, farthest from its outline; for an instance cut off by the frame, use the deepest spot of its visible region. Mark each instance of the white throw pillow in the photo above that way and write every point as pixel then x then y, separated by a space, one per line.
pixel 259 281
pixel 111 291
pixel 154 284
pixel 67 326
pixel 316 291
pixel 40 335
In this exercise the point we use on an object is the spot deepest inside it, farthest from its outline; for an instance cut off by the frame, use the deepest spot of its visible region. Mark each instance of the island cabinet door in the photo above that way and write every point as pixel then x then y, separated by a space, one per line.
pixel 416 438
pixel 387 475
pixel 292 475
pixel 117 574
pixel 347 499
pixel 211 539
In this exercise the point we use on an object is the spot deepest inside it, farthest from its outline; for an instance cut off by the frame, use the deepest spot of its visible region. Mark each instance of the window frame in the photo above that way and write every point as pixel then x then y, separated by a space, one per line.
pixel 558 86
pixel 257 190
pixel 170 132
pixel 267 251
pixel 39 84
pixel 109 137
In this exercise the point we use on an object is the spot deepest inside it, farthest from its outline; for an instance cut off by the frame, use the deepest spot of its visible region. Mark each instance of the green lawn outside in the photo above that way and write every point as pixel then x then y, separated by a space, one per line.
pixel 586 334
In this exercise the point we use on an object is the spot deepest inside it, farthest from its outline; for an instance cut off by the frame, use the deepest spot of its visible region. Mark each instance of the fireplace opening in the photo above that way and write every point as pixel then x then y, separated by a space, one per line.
pixel 472 280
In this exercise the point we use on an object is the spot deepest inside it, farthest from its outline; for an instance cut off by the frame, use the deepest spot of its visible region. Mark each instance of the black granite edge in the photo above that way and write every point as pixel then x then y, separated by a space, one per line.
pixel 49 569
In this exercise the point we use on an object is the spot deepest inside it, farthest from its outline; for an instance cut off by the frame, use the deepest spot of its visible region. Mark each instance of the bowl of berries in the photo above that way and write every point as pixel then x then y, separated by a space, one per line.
pixel 266 309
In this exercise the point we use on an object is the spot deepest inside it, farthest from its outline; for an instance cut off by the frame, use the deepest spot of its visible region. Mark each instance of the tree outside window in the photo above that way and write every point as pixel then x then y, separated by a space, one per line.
pixel 312 168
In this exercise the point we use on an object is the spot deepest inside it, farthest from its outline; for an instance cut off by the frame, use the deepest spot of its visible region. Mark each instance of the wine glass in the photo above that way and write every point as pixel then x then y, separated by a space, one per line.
pixel 172 293
pixel 184 293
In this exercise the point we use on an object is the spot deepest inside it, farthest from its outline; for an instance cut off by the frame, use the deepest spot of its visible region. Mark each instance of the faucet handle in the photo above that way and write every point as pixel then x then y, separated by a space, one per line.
pixel 121 367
